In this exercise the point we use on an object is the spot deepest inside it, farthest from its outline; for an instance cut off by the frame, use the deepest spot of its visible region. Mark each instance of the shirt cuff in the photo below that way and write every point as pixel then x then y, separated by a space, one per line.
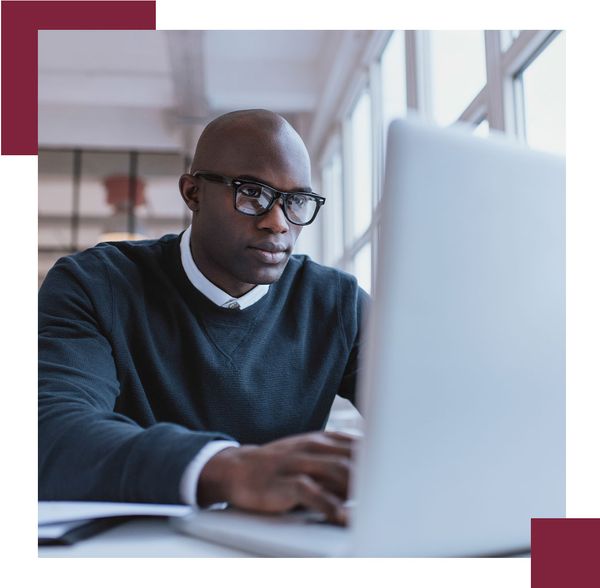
pixel 188 487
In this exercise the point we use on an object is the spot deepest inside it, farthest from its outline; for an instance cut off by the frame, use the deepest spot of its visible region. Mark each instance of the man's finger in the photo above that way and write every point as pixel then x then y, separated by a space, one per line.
pixel 341 436
pixel 325 443
pixel 333 472
pixel 312 495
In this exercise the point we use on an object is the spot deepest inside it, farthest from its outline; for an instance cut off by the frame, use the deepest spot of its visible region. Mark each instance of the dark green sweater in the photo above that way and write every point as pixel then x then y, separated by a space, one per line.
pixel 138 370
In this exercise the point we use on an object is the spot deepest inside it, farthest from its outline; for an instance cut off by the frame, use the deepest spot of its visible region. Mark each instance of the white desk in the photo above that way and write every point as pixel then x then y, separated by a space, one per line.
pixel 144 538
pixel 141 538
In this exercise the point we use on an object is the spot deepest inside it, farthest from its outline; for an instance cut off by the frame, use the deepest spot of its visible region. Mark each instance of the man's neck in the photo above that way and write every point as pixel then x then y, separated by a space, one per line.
pixel 234 288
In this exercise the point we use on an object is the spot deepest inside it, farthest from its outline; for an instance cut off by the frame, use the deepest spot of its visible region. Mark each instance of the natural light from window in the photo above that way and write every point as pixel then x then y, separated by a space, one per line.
pixel 457 72
pixel 332 212
pixel 544 96
pixel 393 80
pixel 361 172
pixel 482 129
pixel 362 267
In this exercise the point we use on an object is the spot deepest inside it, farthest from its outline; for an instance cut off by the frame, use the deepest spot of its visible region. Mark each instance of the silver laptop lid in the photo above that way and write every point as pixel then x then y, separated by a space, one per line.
pixel 464 393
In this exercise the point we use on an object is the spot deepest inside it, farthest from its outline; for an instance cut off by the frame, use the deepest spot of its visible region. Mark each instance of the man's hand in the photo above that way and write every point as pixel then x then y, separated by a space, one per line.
pixel 310 470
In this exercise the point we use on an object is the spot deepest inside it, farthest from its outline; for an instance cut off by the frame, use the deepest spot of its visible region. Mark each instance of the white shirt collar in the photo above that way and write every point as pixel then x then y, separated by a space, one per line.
pixel 212 292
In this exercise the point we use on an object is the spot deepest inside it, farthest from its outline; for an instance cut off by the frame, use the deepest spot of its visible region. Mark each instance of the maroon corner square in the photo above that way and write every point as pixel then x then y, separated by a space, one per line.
pixel 20 24
pixel 565 553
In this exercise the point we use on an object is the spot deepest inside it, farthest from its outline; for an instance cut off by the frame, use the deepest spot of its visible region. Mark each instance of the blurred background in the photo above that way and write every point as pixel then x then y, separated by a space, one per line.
pixel 120 113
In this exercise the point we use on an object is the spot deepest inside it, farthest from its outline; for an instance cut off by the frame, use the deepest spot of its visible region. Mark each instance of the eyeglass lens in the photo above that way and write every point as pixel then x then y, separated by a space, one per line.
pixel 253 199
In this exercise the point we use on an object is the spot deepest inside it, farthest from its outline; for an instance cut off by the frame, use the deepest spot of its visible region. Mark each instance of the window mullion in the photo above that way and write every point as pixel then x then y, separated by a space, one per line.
pixel 347 190
pixel 477 109
pixel 524 49
pixel 519 109
pixel 417 72
pixel 377 132
pixel 377 138
pixel 498 111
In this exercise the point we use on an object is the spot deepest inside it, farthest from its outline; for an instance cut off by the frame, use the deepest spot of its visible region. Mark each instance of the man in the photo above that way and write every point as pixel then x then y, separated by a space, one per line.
pixel 200 368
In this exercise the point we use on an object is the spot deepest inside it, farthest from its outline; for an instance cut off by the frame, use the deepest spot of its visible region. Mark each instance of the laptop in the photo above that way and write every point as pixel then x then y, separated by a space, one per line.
pixel 463 388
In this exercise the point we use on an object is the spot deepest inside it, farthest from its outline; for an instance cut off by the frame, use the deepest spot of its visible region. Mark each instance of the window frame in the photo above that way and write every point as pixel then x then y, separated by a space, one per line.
pixel 500 101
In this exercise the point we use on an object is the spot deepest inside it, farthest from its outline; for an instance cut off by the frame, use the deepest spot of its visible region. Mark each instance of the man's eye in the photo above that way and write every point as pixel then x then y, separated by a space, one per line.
pixel 299 200
pixel 250 191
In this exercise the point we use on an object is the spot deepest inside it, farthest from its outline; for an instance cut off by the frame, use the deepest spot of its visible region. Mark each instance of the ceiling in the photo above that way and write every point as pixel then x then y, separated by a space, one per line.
pixel 156 89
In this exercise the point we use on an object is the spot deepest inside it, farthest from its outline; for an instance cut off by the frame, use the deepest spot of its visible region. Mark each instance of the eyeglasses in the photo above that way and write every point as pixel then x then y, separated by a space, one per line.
pixel 255 198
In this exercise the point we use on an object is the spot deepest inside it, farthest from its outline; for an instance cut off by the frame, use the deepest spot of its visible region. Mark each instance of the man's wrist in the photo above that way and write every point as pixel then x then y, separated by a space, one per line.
pixel 188 485
pixel 215 479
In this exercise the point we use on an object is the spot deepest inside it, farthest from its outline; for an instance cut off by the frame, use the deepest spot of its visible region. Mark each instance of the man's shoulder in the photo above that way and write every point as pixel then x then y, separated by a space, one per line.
pixel 322 294
pixel 305 274
pixel 303 268
pixel 115 250
pixel 118 253
pixel 128 259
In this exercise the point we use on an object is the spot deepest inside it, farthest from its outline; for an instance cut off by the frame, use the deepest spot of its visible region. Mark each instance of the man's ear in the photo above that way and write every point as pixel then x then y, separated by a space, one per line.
pixel 188 188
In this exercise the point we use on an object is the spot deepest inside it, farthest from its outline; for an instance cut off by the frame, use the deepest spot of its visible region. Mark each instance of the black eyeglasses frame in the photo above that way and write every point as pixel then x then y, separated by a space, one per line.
pixel 235 183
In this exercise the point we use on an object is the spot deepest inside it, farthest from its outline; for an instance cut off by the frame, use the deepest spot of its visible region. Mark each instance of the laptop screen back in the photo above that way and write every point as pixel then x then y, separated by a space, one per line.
pixel 464 387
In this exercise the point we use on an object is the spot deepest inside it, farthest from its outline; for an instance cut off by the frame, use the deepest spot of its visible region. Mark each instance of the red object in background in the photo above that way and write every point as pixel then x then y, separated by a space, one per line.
pixel 118 189
pixel 565 553
pixel 20 24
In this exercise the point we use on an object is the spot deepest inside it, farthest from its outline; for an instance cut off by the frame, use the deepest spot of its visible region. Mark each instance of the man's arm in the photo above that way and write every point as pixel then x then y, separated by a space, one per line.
pixel 87 451
pixel 310 470
pixel 356 337
pixel 189 480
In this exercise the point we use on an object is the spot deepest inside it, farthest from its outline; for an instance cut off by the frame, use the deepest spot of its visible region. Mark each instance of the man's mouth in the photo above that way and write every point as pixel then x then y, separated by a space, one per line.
pixel 270 253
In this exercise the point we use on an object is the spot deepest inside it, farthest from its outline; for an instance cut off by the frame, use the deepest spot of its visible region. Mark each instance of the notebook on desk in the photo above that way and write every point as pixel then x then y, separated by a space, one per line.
pixel 463 390
pixel 63 522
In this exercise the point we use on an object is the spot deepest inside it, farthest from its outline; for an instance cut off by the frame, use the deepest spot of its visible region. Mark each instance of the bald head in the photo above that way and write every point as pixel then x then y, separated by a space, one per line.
pixel 233 248
pixel 251 139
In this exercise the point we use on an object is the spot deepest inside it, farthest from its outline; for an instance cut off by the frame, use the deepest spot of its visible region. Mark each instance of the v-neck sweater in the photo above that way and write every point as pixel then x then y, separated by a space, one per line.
pixel 138 370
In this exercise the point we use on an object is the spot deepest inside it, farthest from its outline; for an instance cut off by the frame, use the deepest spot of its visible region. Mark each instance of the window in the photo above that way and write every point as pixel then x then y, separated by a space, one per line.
pixel 393 80
pixel 82 193
pixel 55 174
pixel 362 267
pixel 544 98
pixel 457 72
pixel 508 38
pixel 332 212
pixel 104 179
pixel 361 164
pixel 55 198
pixel 482 129
pixel 164 210
pixel 444 76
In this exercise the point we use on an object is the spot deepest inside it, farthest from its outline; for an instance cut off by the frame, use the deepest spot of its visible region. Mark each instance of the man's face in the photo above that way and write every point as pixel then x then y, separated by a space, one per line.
pixel 235 251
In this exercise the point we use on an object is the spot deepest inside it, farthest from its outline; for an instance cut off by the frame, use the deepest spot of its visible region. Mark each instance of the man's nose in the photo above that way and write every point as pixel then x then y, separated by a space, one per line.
pixel 274 220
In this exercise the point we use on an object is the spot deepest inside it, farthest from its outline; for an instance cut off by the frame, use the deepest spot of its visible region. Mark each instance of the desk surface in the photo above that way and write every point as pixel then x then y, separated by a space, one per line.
pixel 141 538
pixel 144 538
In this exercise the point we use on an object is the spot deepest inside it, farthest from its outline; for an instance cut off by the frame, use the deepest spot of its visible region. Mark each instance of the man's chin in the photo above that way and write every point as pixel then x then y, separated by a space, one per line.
pixel 268 273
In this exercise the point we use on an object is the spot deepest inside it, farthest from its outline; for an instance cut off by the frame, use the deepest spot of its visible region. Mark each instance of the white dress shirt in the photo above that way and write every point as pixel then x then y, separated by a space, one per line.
pixel 189 481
